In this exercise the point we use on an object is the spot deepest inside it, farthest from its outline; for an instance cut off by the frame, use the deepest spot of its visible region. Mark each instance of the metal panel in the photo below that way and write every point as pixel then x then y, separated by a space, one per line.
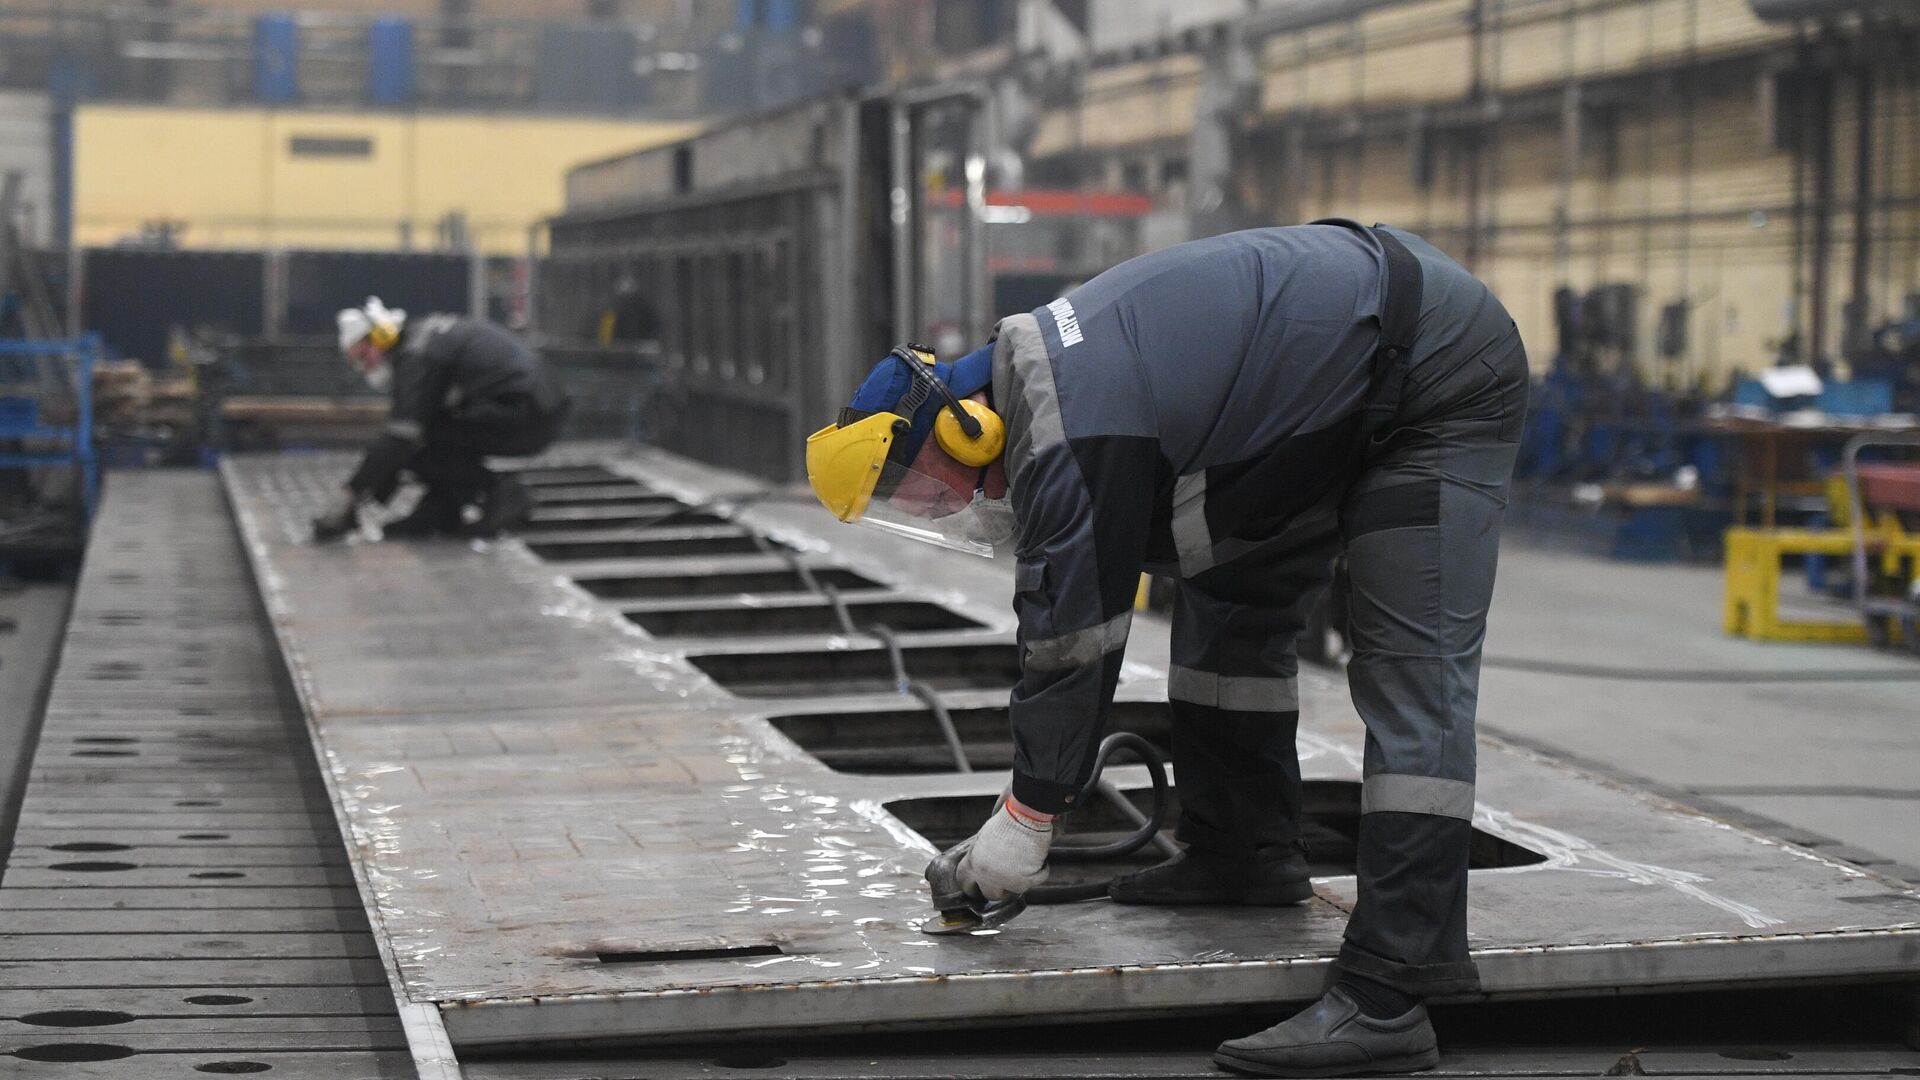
pixel 670 815
pixel 135 298
pixel 176 903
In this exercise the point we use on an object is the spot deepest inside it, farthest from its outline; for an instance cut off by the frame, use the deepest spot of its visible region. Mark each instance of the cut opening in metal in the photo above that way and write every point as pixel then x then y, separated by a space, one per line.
pixel 567 504
pixel 750 1060
pixel 834 672
pixel 643 548
pixel 669 586
pixel 570 476
pixel 906 741
pixel 902 615
pixel 623 521
pixel 1329 825
pixel 660 956
pixel 597 495
pixel 665 519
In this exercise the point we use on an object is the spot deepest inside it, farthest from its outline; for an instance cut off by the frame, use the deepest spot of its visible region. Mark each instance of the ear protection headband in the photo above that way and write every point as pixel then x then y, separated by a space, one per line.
pixel 383 334
pixel 383 323
pixel 970 432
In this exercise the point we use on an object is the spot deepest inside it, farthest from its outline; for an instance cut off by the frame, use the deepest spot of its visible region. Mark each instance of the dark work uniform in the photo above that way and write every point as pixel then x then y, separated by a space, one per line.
pixel 463 390
pixel 1231 413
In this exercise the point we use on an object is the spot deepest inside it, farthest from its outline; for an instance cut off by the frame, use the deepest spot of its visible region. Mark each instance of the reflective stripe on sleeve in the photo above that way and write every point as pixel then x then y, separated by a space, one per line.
pixel 1191 539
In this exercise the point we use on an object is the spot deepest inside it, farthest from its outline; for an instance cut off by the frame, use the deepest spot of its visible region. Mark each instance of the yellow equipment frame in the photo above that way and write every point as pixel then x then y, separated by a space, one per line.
pixel 1753 557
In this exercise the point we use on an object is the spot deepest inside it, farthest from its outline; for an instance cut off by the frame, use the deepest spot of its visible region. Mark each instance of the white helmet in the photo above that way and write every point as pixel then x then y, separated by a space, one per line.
pixel 373 319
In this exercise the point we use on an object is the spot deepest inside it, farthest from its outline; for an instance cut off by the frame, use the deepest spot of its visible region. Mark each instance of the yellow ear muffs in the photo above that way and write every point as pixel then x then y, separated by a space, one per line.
pixel 967 450
pixel 383 334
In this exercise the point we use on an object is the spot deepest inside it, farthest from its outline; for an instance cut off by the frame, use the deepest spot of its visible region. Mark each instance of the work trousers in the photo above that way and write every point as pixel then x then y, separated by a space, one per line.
pixel 1420 525
pixel 451 460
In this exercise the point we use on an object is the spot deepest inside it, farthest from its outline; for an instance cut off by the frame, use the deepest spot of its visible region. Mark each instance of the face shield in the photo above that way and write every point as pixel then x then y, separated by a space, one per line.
pixel 926 508
pixel 851 473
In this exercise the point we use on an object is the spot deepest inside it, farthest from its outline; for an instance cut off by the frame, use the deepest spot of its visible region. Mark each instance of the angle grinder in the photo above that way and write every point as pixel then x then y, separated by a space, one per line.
pixel 962 912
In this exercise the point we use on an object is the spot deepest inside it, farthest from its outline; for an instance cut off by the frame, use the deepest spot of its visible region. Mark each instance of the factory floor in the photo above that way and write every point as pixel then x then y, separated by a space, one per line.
pixel 1624 666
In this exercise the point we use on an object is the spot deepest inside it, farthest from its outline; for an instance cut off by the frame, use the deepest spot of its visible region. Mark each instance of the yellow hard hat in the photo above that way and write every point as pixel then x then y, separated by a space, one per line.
pixel 844 461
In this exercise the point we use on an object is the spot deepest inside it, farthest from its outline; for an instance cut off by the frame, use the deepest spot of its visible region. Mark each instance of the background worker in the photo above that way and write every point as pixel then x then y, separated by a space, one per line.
pixel 463 390
pixel 1233 412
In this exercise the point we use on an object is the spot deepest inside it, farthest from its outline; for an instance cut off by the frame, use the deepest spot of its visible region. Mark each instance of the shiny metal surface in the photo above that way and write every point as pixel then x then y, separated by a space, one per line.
pixel 547 805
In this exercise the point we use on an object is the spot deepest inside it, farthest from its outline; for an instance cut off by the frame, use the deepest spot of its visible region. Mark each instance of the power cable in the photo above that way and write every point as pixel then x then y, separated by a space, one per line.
pixel 1146 826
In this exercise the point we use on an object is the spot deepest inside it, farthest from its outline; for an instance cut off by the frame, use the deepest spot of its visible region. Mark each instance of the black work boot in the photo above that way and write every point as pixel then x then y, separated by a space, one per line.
pixel 1198 877
pixel 1332 1037
pixel 505 504
pixel 431 517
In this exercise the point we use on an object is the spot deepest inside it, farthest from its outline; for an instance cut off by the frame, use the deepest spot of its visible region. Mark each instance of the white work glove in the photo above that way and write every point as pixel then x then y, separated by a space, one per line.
pixel 1008 855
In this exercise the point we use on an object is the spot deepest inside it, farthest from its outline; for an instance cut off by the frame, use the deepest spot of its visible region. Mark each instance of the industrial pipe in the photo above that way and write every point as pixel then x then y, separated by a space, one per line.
pixel 1306 13
pixel 1793 10
pixel 1858 315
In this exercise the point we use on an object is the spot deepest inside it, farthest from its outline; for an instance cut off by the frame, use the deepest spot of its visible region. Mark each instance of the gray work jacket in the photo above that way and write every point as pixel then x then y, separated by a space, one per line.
pixel 1173 414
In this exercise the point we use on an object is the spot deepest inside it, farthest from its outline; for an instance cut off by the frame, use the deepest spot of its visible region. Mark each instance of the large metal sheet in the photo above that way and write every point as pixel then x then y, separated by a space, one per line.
pixel 534 784
pixel 176 902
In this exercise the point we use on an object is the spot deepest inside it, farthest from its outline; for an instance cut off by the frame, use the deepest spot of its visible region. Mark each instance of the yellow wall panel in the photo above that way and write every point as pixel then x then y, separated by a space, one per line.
pixel 1054 132
pixel 1330 72
pixel 1532 53
pixel 233 179
pixel 1401 20
pixel 139 171
pixel 1417 71
pixel 1283 86
pixel 1731 24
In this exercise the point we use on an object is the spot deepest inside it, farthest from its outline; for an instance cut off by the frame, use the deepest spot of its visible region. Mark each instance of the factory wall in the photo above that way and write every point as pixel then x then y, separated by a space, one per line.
pixel 1680 187
pixel 481 9
pixel 368 181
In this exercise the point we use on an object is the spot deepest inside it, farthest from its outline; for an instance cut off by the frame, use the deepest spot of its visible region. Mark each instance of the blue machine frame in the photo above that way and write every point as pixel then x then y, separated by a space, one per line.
pixel 77 440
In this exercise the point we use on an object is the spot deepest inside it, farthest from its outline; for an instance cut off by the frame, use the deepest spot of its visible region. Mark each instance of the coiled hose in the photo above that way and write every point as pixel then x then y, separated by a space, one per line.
pixel 1147 832
pixel 1146 826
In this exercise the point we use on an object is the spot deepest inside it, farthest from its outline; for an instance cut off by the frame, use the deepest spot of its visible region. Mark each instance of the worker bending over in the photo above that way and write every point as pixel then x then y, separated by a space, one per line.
pixel 1233 412
pixel 463 390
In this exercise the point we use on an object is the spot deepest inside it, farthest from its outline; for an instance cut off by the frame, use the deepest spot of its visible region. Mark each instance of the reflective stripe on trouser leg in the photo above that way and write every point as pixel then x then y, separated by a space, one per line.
pixel 1235 701
pixel 1422 529
pixel 1241 693
pixel 1404 794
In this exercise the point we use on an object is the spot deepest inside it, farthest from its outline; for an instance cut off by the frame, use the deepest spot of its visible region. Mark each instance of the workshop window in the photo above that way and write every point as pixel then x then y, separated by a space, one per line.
pixel 330 146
